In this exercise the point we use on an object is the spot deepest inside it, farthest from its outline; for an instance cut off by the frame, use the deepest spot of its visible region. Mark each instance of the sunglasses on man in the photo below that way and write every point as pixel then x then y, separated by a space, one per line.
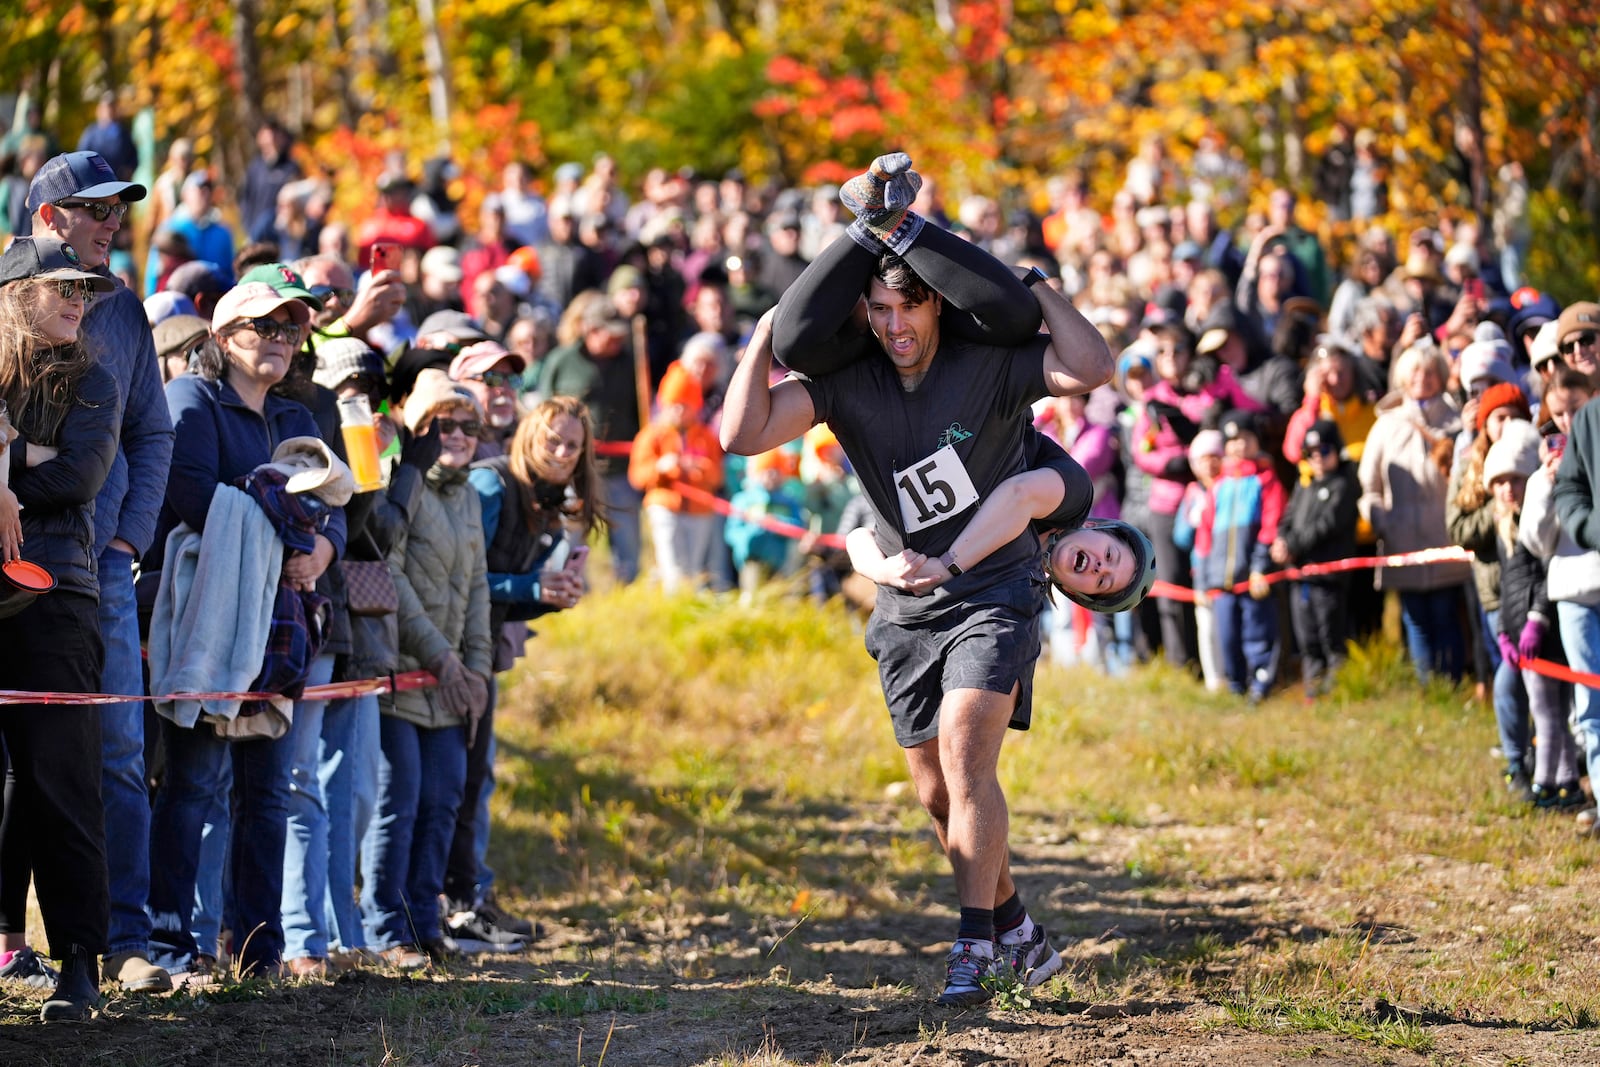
pixel 1582 340
pixel 99 209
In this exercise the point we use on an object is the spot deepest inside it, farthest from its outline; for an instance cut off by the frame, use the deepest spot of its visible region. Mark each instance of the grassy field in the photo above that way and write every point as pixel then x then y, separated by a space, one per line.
pixel 703 804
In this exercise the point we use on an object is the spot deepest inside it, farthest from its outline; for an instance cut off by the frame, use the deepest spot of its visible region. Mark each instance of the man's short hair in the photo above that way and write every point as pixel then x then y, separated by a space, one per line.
pixel 896 274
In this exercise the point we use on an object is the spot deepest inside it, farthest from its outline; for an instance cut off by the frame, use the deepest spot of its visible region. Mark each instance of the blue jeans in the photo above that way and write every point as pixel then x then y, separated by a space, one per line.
pixel 1247 640
pixel 421 777
pixel 305 852
pixel 1510 699
pixel 1580 638
pixel 198 763
pixel 622 526
pixel 1433 632
pixel 122 782
pixel 346 738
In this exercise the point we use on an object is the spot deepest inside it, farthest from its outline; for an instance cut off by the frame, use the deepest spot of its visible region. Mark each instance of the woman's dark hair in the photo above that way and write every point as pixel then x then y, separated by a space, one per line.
pixel 209 360
pixel 1294 336
pixel 38 379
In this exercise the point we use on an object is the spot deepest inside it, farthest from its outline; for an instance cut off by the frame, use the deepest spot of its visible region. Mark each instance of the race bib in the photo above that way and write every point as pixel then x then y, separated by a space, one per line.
pixel 934 490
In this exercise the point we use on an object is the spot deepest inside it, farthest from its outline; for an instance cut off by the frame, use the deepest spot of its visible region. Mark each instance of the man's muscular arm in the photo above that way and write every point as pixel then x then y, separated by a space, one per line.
pixel 757 417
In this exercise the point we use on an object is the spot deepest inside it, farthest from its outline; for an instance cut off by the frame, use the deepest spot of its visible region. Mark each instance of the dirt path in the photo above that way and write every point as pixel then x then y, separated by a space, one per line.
pixel 722 990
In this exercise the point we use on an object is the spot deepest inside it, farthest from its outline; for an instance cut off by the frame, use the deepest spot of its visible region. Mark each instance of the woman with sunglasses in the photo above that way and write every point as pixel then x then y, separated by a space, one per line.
pixel 439 570
pixel 228 422
pixel 540 501
pixel 64 411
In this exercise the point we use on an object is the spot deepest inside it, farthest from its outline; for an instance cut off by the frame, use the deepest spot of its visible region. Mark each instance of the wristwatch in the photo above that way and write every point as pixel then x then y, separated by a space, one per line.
pixel 949 561
pixel 1034 276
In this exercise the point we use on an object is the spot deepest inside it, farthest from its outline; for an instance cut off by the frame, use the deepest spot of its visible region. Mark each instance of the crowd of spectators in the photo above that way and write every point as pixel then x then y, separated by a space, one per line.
pixel 554 367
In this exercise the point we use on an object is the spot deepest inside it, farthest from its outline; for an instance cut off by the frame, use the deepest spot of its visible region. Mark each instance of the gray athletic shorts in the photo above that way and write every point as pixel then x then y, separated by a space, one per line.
pixel 992 647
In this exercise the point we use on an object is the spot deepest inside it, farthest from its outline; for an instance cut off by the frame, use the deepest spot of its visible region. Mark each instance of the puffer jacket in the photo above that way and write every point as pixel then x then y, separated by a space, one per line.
pixel 1474 531
pixel 1403 490
pixel 440 572
pixel 58 496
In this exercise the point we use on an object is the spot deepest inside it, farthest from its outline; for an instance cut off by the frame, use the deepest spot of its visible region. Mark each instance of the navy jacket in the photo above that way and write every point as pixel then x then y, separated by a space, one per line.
pixel 219 439
pixel 117 335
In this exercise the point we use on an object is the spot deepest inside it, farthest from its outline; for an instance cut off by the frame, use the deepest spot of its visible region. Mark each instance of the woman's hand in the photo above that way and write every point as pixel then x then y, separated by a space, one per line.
pixel 910 572
pixel 560 588
pixel 38 454
pixel 302 569
pixel 10 525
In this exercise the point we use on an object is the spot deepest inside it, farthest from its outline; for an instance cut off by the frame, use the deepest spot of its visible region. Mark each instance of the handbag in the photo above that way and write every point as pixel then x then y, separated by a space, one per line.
pixel 369 587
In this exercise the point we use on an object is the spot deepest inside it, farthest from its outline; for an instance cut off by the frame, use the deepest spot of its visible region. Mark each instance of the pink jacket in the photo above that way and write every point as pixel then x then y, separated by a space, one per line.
pixel 1157 445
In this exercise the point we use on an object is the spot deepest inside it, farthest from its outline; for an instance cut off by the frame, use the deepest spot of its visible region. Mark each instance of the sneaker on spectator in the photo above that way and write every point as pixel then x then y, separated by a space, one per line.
pixel 1588 822
pixel 1518 784
pixel 28 968
pixel 136 974
pixel 969 969
pixel 1559 797
pixel 1033 961
pixel 442 951
pixel 404 958
pixel 483 928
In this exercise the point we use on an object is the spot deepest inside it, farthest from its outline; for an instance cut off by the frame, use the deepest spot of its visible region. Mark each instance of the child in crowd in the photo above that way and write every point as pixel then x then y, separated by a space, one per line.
pixel 1192 531
pixel 1246 504
pixel 1527 619
pixel 677 450
pixel 1319 527
pixel 829 487
pixel 760 553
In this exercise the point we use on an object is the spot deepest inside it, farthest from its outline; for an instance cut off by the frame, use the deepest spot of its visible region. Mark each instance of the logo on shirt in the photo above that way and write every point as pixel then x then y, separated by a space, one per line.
pixel 953 435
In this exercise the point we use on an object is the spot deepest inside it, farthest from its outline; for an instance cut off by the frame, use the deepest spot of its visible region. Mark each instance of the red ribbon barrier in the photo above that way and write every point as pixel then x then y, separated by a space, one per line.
pixel 389 683
pixel 1448 554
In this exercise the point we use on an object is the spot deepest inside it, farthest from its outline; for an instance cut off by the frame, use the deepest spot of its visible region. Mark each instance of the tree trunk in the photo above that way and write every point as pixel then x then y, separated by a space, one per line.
pixel 246 13
pixel 438 84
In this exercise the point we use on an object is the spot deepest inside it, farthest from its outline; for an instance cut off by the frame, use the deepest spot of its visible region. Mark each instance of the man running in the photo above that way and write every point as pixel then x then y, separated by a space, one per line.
pixel 933 422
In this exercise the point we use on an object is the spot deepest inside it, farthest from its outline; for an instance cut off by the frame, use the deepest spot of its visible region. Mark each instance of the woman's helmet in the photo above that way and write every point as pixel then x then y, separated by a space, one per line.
pixel 1144 566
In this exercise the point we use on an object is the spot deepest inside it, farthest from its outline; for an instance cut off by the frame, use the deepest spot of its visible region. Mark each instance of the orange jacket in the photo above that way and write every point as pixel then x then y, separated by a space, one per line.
pixel 696 460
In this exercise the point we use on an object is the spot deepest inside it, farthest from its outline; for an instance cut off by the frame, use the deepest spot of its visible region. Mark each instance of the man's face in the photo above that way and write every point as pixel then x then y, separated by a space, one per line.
pixel 77 227
pixel 710 309
pixel 339 284
pixel 494 299
pixel 907 328
pixel 495 393
pixel 604 342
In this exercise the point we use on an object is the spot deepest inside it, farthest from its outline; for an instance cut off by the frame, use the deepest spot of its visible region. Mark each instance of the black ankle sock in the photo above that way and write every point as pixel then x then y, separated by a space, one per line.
pixel 1009 915
pixel 977 924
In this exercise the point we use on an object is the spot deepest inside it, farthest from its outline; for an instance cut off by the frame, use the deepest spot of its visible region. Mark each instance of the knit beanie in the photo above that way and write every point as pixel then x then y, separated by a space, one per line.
pixel 1505 394
pixel 1205 443
pixel 1517 452
pixel 678 386
pixel 1486 359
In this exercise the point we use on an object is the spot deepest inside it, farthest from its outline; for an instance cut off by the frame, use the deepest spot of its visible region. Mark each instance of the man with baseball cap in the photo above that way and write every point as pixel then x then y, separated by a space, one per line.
pixel 1578 338
pixel 77 198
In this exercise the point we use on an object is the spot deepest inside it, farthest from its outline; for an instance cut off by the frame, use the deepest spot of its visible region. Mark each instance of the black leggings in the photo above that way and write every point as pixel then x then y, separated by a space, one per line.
pixel 984 301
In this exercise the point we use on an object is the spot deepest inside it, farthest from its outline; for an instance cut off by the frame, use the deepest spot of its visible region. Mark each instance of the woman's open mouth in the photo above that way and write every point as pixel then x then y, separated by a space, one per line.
pixel 1080 562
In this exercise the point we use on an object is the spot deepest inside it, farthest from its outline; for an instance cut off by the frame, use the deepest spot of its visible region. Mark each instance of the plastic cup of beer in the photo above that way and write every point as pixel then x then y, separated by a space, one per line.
pixel 361 443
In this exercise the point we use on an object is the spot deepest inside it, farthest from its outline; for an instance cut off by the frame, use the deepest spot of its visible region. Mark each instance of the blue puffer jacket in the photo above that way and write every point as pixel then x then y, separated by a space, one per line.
pixel 58 496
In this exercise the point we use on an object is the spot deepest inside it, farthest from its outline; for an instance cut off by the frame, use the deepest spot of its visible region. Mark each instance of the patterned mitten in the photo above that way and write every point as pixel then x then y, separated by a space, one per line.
pixel 881 199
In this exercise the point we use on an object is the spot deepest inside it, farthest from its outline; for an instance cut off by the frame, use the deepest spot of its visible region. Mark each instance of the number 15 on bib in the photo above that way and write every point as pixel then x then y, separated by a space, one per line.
pixel 934 490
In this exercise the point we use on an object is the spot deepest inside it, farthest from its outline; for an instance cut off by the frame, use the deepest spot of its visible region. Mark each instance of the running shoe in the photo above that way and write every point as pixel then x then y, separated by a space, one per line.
pixel 30 969
pixel 969 970
pixel 1033 961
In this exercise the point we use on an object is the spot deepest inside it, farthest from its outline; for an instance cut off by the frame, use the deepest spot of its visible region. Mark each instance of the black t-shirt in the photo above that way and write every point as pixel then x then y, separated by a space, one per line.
pixel 975 399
